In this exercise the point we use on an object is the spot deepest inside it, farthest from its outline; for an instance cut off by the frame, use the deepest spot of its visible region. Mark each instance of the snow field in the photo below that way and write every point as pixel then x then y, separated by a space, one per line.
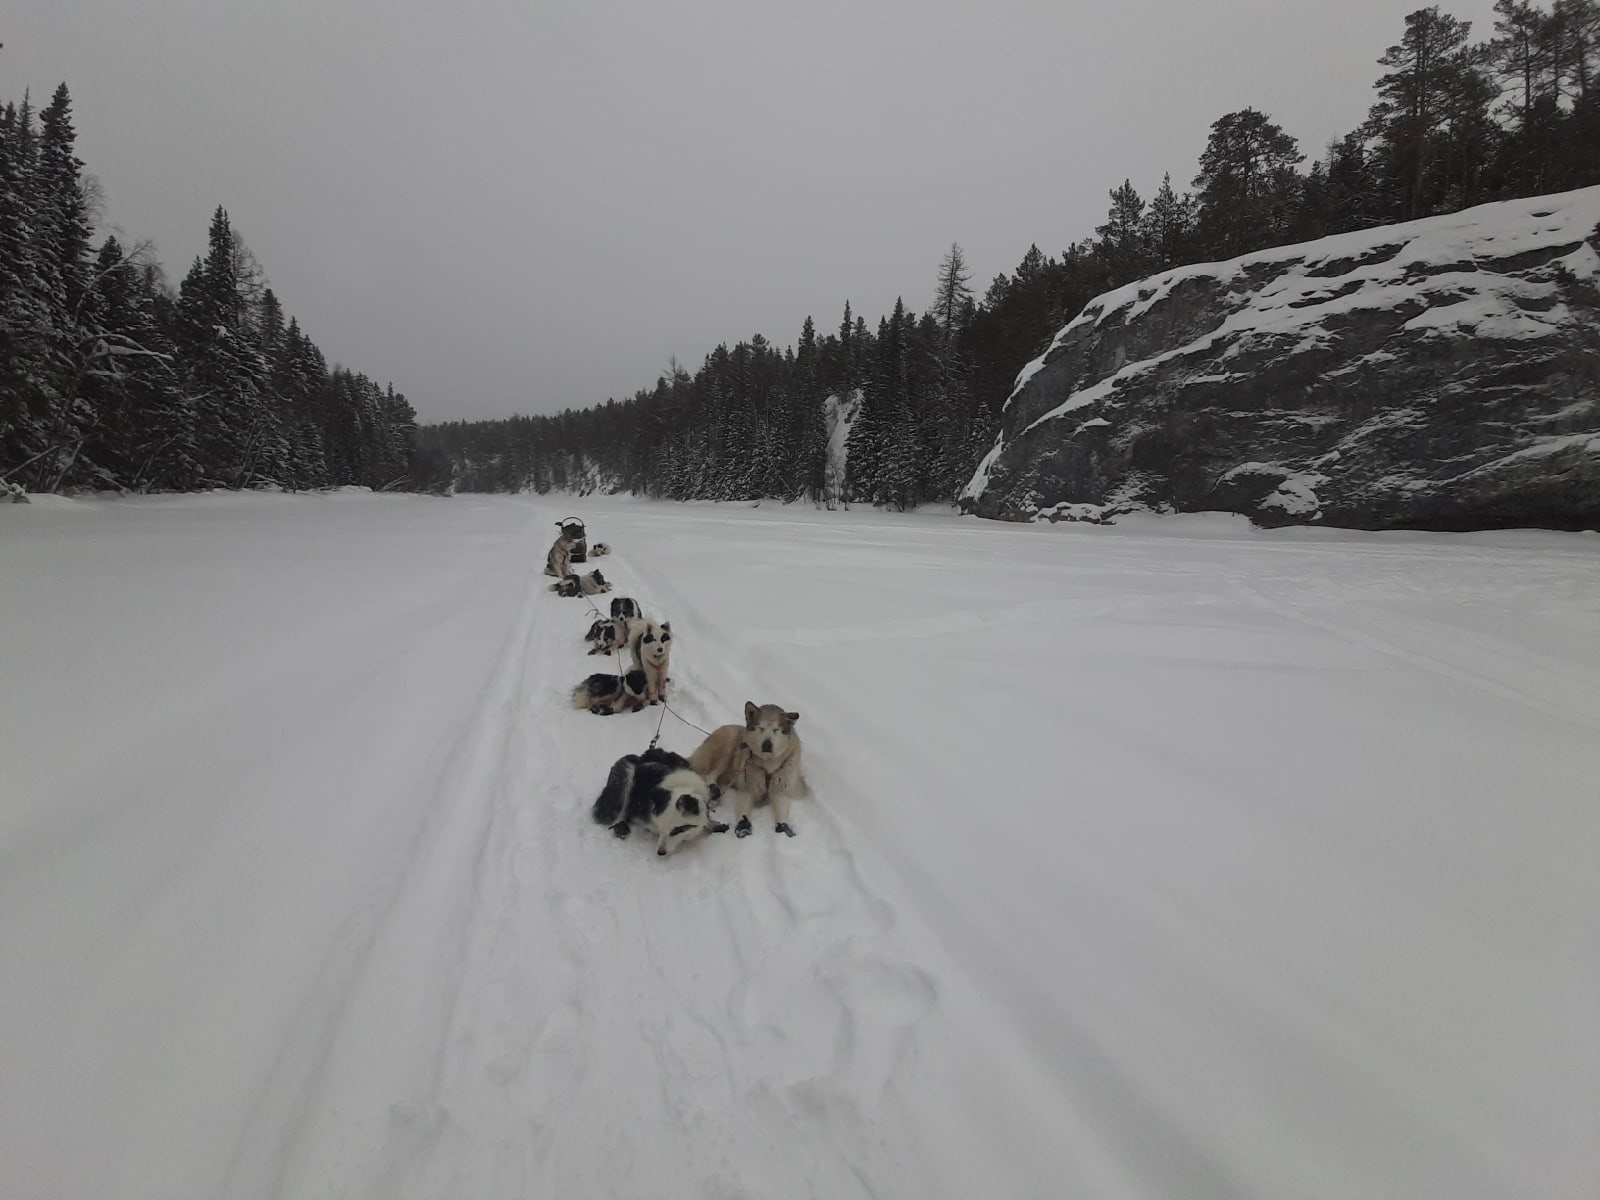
pixel 1168 859
pixel 314 905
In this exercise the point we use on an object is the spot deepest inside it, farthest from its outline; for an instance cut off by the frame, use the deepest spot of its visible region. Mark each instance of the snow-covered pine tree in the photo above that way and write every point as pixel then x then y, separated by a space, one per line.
pixel 237 432
pixel 142 435
pixel 25 318
pixel 58 233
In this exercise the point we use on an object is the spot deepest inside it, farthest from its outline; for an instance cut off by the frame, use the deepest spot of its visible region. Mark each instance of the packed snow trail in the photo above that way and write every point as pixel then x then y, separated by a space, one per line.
pixel 733 1020
pixel 323 913
pixel 1174 860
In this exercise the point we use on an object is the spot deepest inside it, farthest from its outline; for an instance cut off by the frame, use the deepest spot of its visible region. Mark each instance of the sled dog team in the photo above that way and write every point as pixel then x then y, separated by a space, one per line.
pixel 673 797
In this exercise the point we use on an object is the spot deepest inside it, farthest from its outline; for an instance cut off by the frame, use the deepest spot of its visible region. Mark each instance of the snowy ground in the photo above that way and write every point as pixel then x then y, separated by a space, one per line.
pixel 1171 860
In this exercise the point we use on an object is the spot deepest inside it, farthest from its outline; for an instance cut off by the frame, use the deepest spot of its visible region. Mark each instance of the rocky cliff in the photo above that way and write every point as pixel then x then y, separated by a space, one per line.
pixel 1442 374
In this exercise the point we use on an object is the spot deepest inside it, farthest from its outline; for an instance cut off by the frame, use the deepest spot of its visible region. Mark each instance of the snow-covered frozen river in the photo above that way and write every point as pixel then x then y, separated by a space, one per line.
pixel 1169 860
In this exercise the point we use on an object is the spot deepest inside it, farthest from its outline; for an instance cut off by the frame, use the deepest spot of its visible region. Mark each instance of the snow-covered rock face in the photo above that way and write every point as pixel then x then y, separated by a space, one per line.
pixel 1440 374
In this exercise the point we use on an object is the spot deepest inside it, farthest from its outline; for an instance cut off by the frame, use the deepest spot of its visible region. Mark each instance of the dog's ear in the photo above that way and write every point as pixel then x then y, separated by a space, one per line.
pixel 666 627
pixel 788 720
pixel 750 714
pixel 689 806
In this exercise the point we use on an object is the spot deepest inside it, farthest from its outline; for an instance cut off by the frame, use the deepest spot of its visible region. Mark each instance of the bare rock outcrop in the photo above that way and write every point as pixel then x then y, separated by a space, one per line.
pixel 1442 374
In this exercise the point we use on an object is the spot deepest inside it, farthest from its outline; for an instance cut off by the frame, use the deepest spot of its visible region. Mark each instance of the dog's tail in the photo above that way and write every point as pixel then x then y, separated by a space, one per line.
pixel 609 804
pixel 581 697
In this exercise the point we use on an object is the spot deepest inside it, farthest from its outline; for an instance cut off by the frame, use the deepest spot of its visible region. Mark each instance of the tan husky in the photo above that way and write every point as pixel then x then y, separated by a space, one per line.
pixel 759 760
pixel 559 561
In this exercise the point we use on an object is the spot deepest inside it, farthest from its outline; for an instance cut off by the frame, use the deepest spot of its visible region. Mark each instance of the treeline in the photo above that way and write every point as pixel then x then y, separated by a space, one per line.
pixel 109 380
pixel 751 421
pixel 1454 123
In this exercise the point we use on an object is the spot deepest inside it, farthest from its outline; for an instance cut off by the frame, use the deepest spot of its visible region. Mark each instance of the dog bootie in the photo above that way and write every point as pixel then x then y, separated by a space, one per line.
pixel 742 829
pixel 783 827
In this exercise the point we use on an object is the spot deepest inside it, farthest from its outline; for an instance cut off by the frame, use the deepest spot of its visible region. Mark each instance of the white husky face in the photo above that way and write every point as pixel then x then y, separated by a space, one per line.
pixel 768 730
pixel 681 809
pixel 655 642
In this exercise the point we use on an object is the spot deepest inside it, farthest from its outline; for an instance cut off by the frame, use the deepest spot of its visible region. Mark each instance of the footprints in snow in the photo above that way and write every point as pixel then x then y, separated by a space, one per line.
pixel 693 1062
pixel 830 1013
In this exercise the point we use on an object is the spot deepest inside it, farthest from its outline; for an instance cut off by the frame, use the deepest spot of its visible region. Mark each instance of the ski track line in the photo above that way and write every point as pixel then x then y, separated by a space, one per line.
pixel 309 1130
pixel 808 896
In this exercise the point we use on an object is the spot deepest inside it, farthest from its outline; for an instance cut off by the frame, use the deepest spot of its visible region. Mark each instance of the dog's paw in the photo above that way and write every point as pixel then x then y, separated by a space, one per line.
pixel 719 827
pixel 622 829
pixel 783 828
pixel 742 829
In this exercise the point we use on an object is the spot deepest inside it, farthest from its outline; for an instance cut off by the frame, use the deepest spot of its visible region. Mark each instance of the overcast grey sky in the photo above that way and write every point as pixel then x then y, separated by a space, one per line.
pixel 524 205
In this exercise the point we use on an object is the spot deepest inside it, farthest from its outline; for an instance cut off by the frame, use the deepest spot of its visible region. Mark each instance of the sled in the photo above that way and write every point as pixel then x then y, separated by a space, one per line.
pixel 575 533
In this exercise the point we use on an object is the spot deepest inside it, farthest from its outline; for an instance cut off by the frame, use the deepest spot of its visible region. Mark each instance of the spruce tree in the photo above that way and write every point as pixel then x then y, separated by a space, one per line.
pixel 63 216
pixel 1167 229
pixel 226 373
pixel 26 390
pixel 1122 244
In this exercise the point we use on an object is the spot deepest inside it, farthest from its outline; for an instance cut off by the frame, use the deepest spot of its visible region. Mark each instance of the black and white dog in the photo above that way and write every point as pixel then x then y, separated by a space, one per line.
pixel 607 635
pixel 607 695
pixel 592 584
pixel 650 646
pixel 657 791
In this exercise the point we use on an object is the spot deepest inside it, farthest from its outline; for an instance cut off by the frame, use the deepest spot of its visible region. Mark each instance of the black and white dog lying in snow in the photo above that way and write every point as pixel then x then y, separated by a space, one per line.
pixel 592 584
pixel 606 635
pixel 607 695
pixel 657 791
